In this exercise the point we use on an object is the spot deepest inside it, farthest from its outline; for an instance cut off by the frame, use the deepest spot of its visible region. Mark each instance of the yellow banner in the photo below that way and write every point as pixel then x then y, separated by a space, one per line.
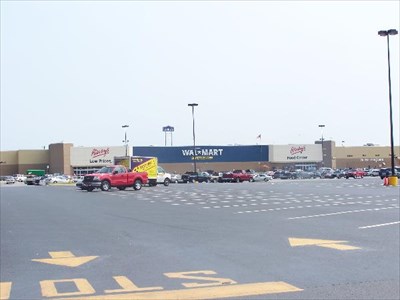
pixel 149 166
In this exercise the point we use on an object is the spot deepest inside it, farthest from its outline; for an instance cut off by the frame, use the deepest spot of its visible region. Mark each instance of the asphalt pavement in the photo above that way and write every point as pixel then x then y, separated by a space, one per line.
pixel 284 239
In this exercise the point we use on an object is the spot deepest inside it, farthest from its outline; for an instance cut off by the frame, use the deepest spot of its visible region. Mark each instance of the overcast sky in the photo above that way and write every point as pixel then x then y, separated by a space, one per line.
pixel 76 71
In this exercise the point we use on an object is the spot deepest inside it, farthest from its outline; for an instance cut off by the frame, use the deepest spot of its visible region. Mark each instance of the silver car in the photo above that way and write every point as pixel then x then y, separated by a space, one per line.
pixel 262 177
pixel 9 180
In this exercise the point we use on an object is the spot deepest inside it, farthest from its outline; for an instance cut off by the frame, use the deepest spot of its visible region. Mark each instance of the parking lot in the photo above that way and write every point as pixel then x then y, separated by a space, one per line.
pixel 283 239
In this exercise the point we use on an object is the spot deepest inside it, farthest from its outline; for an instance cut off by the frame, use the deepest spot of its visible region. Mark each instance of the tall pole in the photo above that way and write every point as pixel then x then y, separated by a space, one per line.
pixel 125 140
pixel 194 137
pixel 387 33
pixel 166 130
pixel 322 143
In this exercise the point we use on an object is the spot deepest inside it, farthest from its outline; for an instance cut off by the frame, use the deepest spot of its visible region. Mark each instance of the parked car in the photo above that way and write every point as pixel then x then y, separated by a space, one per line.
pixel 215 176
pixel 196 177
pixel 59 179
pixel 77 178
pixel 176 178
pixel 328 174
pixel 354 173
pixel 306 175
pixel 339 174
pixel 19 177
pixel 7 179
pixel 42 180
pixel 262 177
pixel 287 175
pixel 385 172
pixel 373 172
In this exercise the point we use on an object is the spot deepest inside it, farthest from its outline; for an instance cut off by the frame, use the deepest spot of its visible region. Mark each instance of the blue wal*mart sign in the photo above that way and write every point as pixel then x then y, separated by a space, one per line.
pixel 185 154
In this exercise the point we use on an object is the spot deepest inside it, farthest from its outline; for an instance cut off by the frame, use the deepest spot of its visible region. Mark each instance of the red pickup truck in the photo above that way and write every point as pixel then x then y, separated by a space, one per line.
pixel 237 176
pixel 114 176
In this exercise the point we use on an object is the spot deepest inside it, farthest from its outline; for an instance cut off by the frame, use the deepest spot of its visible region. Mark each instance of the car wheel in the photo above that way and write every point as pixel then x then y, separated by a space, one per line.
pixel 89 189
pixel 137 185
pixel 166 182
pixel 105 186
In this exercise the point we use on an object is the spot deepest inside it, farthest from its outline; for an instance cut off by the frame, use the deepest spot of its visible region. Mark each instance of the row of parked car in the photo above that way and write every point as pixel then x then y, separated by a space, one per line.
pixel 339 173
pixel 251 176
pixel 228 176
pixel 33 179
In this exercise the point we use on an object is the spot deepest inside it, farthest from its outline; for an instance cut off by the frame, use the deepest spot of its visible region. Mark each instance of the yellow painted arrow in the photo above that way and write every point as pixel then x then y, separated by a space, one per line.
pixel 65 258
pixel 338 245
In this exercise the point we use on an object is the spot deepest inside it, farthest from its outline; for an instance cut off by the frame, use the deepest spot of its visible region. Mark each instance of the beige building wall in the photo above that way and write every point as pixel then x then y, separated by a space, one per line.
pixel 8 162
pixel 57 159
pixel 364 157
pixel 60 158
pixel 32 159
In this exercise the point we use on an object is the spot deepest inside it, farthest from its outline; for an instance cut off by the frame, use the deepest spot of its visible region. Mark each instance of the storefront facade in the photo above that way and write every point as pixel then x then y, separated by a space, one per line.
pixel 301 156
pixel 216 158
pixel 64 158
pixel 85 160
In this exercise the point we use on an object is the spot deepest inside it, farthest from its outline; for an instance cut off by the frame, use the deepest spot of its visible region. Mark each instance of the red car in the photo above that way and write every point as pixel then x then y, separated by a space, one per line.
pixel 355 173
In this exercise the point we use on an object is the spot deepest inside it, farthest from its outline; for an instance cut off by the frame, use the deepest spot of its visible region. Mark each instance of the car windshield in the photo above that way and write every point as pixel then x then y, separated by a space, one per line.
pixel 105 170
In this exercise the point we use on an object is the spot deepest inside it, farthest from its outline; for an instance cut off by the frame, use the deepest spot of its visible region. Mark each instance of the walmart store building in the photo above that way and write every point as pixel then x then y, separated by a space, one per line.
pixel 64 158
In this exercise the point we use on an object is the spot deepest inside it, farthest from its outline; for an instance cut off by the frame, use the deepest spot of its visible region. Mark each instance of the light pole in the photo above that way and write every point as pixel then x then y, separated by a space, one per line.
pixel 322 142
pixel 125 140
pixel 194 136
pixel 168 129
pixel 387 33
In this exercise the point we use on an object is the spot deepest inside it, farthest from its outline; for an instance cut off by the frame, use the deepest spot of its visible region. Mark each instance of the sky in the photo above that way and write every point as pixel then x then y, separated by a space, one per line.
pixel 76 71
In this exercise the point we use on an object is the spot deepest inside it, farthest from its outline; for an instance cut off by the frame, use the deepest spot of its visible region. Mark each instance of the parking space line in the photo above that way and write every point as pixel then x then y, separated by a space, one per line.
pixel 378 225
pixel 343 212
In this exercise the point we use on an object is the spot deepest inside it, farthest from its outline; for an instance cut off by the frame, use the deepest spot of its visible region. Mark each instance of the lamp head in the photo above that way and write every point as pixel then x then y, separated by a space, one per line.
pixel 383 33
pixel 388 32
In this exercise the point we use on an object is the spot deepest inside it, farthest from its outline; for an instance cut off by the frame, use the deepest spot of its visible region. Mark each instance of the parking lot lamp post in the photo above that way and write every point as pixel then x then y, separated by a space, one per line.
pixel 194 136
pixel 126 140
pixel 387 33
pixel 322 142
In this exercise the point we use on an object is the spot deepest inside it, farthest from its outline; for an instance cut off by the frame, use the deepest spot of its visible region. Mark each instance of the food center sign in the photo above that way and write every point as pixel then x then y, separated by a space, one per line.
pixel 95 156
pixel 295 153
